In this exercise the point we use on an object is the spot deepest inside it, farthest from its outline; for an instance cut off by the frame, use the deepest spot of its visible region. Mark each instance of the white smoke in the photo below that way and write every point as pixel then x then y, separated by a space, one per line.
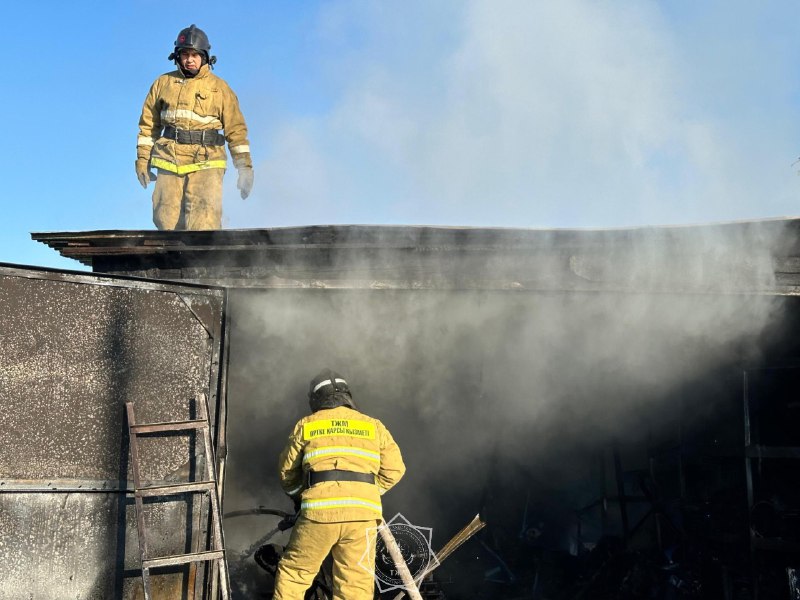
pixel 510 382
pixel 517 113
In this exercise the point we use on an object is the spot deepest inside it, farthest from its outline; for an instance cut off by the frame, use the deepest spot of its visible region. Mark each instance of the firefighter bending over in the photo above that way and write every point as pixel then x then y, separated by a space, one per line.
pixel 179 135
pixel 336 464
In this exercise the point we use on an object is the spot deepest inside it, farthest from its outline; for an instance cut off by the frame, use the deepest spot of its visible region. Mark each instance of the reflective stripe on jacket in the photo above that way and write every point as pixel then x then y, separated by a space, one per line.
pixel 202 102
pixel 340 438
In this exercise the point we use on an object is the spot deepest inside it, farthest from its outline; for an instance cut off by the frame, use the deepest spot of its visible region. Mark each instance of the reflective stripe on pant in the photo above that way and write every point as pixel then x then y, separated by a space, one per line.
pixel 191 201
pixel 309 545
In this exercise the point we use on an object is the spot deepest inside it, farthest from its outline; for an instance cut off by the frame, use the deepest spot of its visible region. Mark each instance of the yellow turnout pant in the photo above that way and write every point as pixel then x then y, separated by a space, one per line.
pixel 311 542
pixel 191 201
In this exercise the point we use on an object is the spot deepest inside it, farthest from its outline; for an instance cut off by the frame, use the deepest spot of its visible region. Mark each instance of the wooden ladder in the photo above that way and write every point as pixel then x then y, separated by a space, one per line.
pixel 216 554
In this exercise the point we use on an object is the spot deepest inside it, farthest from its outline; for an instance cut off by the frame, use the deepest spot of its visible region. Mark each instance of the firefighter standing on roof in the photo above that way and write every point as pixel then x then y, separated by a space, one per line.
pixel 179 135
pixel 336 465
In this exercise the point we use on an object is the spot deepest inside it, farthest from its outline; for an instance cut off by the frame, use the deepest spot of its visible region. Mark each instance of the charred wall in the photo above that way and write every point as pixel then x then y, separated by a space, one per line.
pixel 74 349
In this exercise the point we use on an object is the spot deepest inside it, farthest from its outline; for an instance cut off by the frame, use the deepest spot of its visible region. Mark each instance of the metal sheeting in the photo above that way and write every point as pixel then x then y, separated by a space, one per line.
pixel 74 545
pixel 73 349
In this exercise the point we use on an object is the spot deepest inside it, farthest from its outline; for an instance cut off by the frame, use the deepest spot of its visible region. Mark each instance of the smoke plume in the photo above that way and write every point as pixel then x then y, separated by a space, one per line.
pixel 509 390
pixel 535 114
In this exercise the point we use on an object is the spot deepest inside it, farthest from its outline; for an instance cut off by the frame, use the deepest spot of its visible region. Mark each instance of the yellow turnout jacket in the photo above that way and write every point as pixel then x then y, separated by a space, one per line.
pixel 340 438
pixel 202 102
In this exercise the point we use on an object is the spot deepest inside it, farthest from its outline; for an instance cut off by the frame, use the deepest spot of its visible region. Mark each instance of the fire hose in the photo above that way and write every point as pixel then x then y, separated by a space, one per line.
pixel 286 522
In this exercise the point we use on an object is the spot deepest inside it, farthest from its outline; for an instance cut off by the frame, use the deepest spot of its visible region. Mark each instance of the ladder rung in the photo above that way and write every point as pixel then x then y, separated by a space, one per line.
pixel 182 559
pixel 176 488
pixel 169 426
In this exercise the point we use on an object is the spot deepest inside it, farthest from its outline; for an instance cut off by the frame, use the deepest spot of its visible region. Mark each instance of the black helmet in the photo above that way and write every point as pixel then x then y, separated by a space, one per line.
pixel 329 390
pixel 193 38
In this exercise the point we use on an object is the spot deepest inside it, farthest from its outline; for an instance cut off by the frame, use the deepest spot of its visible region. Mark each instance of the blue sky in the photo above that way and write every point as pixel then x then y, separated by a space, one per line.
pixel 520 113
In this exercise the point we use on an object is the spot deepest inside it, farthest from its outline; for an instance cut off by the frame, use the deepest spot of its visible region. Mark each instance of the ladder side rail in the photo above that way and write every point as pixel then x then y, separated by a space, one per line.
pixel 139 504
pixel 218 542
